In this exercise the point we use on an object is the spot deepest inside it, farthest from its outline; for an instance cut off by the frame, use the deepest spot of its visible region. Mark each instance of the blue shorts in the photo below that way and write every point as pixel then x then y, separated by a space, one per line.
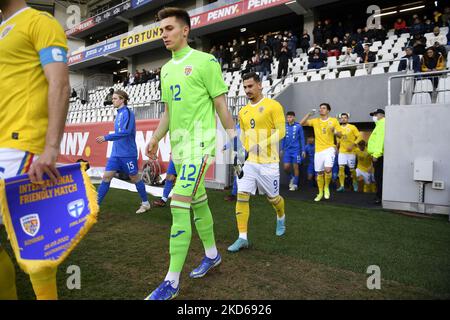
pixel 310 170
pixel 171 168
pixel 292 157
pixel 128 166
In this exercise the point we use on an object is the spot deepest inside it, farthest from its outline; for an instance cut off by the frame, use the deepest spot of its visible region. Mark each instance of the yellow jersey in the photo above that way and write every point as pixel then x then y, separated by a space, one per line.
pixel 350 137
pixel 324 136
pixel 364 160
pixel 263 124
pixel 23 85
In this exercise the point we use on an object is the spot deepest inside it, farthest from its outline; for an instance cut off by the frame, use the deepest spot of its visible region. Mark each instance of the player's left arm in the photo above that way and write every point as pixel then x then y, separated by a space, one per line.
pixel 50 43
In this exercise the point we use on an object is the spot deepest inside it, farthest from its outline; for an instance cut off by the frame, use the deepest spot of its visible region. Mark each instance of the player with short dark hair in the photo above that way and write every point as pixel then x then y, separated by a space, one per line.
pixel 262 126
pixel 124 155
pixel 325 128
pixel 193 90
pixel 293 149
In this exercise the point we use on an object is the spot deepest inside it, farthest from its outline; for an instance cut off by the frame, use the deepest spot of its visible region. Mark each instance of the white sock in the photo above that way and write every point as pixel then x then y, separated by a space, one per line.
pixel 146 203
pixel 173 276
pixel 282 218
pixel 164 199
pixel 211 252
pixel 243 235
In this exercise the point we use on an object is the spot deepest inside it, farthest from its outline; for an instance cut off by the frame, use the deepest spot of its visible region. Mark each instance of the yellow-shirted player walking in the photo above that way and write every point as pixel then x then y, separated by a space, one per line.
pixel 325 128
pixel 364 170
pixel 34 95
pixel 263 125
pixel 347 147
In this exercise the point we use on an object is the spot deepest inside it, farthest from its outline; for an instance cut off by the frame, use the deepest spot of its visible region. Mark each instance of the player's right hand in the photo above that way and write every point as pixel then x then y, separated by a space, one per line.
pixel 45 164
pixel 152 149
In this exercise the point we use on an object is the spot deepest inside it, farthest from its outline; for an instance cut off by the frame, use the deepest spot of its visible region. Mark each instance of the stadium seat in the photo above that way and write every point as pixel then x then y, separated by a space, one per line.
pixel 361 72
pixel 330 76
pixel 444 84
pixel 443 97
pixel 377 70
pixel 302 78
pixel 316 77
pixel 394 67
pixel 345 74
pixel 423 86
pixel 332 62
pixel 421 98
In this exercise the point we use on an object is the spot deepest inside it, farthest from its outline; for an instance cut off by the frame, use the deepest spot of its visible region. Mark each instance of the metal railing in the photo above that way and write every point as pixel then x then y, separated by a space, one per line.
pixel 422 88
pixel 354 66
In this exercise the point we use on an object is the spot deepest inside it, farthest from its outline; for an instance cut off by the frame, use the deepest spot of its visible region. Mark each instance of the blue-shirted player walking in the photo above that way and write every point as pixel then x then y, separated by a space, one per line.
pixel 293 148
pixel 310 150
pixel 124 156
pixel 171 176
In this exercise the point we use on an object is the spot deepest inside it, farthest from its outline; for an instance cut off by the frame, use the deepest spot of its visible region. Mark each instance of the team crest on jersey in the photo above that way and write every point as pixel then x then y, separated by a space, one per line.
pixel 6 31
pixel 30 224
pixel 188 70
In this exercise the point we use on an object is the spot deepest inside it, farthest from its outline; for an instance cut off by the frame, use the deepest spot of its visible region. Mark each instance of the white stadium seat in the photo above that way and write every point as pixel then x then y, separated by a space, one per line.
pixel 443 97
pixel 421 98
pixel 444 84
pixel 377 70
pixel 361 72
pixel 344 74
pixel 423 86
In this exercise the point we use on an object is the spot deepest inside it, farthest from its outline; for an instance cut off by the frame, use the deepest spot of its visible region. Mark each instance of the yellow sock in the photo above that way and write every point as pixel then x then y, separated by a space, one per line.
pixel 278 205
pixel 342 176
pixel 44 284
pixel 367 188
pixel 327 180
pixel 320 182
pixel 7 277
pixel 242 212
pixel 374 187
pixel 354 178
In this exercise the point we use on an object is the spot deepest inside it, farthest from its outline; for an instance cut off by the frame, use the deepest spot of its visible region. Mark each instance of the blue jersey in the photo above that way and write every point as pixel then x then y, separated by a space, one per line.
pixel 294 141
pixel 124 136
pixel 310 150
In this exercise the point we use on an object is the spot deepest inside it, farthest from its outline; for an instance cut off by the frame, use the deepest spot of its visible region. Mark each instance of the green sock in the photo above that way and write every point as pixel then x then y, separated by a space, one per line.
pixel 180 235
pixel 204 223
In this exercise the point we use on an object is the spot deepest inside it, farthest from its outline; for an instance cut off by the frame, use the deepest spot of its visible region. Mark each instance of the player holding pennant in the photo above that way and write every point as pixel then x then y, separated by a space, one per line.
pixel 34 87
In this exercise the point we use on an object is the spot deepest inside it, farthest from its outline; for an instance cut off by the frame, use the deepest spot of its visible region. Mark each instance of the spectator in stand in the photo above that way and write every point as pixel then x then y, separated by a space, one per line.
pixel 283 57
pixel 221 54
pixel 244 51
pixel 305 41
pixel 357 47
pixel 417 27
pixel 438 40
pixel 126 80
pixel 432 61
pixel 266 63
pixel 335 48
pixel 277 44
pixel 316 59
pixel 367 56
pixel 74 93
pixel 418 43
pixel 137 77
pixel 292 44
pixel 400 27
pixel 349 57
pixel 318 33
pixel 358 36
pixel 108 98
pixel 327 30
pixel 314 46
pixel 236 47
pixel 369 34
pixel 446 17
pixel 214 52
pixel 131 79
pixel 235 65
pixel 380 34
pixel 326 45
pixel 412 63
pixel 228 55
pixel 339 30
pixel 428 26
pixel 145 76
pixel 437 17
pixel 347 40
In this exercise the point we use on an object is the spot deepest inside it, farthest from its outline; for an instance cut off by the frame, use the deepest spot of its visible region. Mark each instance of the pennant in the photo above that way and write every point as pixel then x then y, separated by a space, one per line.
pixel 45 222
